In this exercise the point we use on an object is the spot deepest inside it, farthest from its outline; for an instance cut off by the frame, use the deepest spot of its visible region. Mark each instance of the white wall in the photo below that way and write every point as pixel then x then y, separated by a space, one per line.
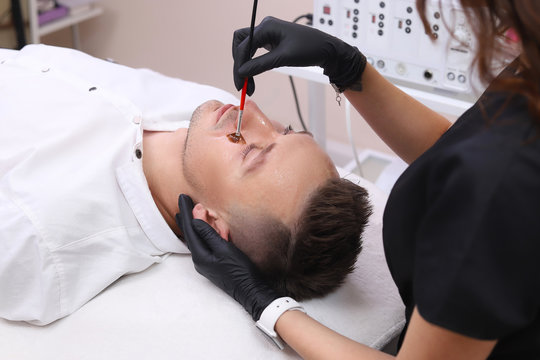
pixel 192 40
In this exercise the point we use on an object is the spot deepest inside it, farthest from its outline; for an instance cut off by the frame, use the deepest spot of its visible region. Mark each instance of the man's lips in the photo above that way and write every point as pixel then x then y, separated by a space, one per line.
pixel 222 111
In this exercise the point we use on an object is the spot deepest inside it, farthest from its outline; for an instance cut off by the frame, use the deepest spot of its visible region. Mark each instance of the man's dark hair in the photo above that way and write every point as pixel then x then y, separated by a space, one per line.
pixel 314 258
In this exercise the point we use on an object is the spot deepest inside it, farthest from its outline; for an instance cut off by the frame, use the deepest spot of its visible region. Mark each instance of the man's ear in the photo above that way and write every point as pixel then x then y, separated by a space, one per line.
pixel 213 219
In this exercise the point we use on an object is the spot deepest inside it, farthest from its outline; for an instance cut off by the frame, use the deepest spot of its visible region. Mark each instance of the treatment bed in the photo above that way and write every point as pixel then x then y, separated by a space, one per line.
pixel 169 311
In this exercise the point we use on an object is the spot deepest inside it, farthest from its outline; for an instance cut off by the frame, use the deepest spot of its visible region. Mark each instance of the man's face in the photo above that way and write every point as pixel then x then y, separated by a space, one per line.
pixel 274 171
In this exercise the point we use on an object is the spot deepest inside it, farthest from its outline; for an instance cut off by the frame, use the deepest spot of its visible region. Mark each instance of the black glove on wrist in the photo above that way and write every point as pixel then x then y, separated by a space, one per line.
pixel 223 263
pixel 292 44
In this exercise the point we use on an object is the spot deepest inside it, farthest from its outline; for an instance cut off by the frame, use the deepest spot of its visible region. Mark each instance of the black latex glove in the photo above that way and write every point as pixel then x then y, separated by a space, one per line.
pixel 292 44
pixel 223 263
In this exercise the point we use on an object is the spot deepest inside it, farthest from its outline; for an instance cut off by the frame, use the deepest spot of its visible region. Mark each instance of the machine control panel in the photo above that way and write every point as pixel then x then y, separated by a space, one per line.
pixel 392 36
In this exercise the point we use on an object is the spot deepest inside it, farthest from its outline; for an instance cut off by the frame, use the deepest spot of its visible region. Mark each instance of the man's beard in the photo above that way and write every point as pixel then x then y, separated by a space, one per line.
pixel 195 117
pixel 187 166
pixel 188 174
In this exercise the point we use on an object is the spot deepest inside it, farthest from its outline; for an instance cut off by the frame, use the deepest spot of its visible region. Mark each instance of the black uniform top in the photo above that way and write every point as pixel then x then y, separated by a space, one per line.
pixel 462 229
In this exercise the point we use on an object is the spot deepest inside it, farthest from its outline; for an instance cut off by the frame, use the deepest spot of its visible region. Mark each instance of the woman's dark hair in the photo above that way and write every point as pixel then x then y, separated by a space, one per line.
pixel 495 23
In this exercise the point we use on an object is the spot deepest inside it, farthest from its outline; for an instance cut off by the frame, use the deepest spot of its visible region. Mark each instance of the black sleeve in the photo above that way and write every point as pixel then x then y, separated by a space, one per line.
pixel 476 258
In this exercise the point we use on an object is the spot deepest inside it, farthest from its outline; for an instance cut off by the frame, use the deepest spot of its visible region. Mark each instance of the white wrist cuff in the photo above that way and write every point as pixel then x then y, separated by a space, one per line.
pixel 271 314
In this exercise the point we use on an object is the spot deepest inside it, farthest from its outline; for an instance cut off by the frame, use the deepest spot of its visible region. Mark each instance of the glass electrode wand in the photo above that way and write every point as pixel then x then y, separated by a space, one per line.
pixel 237 136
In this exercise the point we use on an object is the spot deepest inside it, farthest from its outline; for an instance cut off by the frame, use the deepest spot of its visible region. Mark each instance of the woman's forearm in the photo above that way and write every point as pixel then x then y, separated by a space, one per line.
pixel 404 124
pixel 312 340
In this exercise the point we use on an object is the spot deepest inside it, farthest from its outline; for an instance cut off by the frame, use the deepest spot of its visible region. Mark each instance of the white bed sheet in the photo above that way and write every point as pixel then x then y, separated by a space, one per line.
pixel 6 54
pixel 171 312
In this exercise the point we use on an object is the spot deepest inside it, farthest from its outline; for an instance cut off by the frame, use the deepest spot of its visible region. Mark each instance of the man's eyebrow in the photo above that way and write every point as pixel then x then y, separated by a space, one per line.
pixel 261 158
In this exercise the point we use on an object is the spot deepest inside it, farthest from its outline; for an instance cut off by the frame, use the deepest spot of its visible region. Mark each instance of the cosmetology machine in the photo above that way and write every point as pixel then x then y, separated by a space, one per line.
pixel 435 70
pixel 392 36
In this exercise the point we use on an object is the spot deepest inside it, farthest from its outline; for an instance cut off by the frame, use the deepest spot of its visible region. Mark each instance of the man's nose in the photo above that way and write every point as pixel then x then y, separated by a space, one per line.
pixel 255 121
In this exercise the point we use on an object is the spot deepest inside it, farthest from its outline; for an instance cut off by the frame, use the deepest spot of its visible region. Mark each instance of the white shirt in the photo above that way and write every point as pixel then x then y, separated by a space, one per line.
pixel 76 212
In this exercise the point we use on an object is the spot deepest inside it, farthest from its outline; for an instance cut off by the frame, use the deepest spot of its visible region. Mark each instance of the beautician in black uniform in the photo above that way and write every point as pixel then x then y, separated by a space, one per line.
pixel 462 224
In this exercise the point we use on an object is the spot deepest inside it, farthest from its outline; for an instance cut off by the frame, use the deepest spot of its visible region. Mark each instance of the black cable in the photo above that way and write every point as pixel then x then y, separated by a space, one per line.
pixel 309 18
pixel 297 104
pixel 18 21
pixel 252 27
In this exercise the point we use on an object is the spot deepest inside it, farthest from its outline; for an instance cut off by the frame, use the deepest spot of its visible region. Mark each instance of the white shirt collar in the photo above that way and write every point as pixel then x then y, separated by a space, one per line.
pixel 131 179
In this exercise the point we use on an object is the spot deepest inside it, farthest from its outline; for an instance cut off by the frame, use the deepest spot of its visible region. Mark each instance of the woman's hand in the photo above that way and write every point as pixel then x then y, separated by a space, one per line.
pixel 292 44
pixel 223 263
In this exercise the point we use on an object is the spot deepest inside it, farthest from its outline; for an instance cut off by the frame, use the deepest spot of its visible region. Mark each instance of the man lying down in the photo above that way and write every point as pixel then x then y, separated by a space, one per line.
pixel 89 182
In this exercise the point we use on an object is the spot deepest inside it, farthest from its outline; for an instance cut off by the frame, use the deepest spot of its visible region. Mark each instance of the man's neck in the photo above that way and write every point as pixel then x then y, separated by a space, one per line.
pixel 162 165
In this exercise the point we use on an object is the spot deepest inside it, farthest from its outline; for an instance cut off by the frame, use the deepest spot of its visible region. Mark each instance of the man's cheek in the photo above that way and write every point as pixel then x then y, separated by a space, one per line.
pixel 223 156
